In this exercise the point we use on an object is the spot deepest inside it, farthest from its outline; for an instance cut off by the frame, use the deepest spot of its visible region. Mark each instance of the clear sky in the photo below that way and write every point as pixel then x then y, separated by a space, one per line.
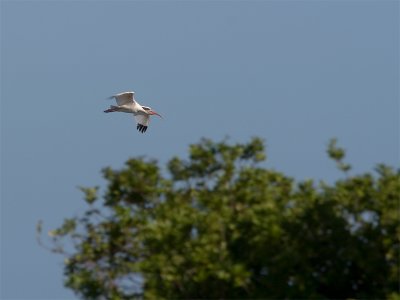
pixel 294 73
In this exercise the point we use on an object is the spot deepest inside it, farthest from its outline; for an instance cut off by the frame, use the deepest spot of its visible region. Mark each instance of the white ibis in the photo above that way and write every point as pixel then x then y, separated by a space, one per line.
pixel 127 104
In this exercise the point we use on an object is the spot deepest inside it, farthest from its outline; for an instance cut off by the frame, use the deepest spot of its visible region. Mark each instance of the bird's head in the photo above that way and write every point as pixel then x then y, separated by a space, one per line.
pixel 152 112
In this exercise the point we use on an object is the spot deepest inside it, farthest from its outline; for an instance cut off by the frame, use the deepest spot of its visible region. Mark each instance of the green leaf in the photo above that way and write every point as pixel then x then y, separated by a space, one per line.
pixel 220 225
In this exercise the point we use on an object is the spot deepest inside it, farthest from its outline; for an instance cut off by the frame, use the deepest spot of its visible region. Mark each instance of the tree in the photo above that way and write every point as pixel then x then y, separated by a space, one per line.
pixel 220 225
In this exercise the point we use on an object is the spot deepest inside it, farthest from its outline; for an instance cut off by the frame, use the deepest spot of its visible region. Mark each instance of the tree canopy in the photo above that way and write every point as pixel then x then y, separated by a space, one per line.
pixel 220 225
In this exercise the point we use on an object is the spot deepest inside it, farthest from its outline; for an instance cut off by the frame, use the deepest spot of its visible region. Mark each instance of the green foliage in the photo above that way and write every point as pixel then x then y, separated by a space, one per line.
pixel 337 154
pixel 220 225
pixel 90 194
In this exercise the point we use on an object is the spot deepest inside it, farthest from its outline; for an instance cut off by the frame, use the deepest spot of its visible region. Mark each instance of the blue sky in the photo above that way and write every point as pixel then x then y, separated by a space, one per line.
pixel 294 73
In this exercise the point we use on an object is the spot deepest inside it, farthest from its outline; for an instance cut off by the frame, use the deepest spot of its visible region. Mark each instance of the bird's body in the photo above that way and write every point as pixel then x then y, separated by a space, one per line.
pixel 127 104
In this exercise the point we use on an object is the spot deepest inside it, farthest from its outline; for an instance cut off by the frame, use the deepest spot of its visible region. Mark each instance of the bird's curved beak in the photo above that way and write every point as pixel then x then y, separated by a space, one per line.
pixel 155 113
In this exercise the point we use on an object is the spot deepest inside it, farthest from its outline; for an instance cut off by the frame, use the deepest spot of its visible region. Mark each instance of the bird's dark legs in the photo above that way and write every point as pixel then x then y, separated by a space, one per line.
pixel 111 109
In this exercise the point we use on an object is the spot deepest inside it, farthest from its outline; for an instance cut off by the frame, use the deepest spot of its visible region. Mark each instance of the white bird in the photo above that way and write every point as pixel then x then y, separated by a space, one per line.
pixel 127 104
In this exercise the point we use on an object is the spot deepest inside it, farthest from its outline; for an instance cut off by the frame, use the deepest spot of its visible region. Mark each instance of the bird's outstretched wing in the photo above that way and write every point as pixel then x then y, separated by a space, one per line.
pixel 124 98
pixel 142 122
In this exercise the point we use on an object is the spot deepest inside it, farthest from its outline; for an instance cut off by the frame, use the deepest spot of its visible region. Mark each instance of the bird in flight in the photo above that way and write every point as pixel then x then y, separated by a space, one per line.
pixel 127 104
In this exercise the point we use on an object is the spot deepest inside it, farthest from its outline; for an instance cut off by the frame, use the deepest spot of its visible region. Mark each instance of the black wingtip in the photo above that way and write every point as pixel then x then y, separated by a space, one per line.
pixel 141 128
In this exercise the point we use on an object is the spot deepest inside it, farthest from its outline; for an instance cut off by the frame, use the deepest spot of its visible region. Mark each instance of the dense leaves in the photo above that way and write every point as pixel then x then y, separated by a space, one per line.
pixel 220 225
